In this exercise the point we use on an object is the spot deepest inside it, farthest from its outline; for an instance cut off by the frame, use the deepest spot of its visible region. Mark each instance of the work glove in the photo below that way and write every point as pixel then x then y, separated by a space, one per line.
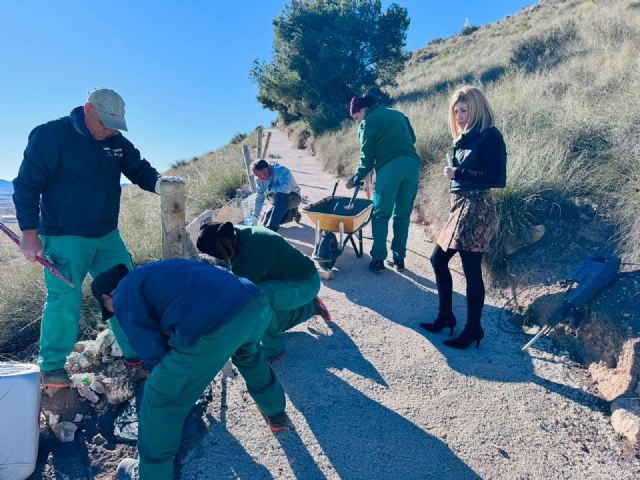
pixel 353 181
pixel 171 178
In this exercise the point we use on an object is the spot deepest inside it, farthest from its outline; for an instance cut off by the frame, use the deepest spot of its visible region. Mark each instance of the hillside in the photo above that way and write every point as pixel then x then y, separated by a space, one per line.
pixel 560 76
pixel 6 187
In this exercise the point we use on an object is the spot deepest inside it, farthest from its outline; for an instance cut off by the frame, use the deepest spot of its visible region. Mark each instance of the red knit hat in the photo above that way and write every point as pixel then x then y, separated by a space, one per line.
pixel 358 103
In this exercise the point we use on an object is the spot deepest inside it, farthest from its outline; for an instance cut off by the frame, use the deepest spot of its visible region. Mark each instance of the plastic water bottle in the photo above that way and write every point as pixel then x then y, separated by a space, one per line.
pixel 248 218
pixel 237 200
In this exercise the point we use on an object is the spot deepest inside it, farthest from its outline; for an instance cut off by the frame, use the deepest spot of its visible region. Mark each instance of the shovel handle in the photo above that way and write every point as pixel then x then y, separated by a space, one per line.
pixel 335 187
pixel 42 261
pixel 353 198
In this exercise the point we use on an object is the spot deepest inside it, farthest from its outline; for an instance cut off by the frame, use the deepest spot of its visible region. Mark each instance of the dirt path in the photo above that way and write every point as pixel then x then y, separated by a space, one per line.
pixel 376 397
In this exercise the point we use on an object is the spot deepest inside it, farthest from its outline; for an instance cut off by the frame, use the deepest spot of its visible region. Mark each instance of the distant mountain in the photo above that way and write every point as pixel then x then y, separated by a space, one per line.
pixel 6 187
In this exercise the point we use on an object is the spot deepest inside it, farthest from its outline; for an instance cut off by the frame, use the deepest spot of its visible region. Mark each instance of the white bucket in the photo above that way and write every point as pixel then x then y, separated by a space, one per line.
pixel 19 419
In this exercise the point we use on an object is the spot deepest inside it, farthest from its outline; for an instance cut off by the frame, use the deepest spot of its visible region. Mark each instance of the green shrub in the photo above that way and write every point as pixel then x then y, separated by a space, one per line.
pixel 238 138
pixel 468 28
pixel 179 163
pixel 299 134
pixel 543 52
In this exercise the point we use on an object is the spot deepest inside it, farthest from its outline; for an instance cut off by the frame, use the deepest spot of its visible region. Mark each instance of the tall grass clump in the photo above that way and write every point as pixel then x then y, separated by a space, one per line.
pixel 299 133
pixel 544 51
pixel 338 151
pixel 21 299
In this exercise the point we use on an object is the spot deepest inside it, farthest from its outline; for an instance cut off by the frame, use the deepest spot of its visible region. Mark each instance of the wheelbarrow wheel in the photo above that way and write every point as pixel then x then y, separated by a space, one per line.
pixel 327 251
pixel 327 264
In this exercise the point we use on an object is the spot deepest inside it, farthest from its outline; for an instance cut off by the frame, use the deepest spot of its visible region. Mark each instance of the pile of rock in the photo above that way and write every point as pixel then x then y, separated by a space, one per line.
pixel 100 380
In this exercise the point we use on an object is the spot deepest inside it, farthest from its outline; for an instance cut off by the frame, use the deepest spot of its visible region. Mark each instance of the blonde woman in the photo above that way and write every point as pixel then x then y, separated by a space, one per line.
pixel 477 164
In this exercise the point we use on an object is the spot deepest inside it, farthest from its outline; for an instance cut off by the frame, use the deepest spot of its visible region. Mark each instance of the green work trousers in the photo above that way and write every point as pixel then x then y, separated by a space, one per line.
pixel 293 303
pixel 393 196
pixel 75 257
pixel 177 382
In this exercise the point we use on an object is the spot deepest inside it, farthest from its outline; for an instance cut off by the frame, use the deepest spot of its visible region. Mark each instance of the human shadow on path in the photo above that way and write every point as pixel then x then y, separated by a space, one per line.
pixel 360 437
pixel 500 359
pixel 409 299
pixel 230 458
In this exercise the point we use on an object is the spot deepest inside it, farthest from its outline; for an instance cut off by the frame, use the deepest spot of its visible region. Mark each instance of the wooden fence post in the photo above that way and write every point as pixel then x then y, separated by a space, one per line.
pixel 172 202
pixel 247 165
pixel 266 146
pixel 259 143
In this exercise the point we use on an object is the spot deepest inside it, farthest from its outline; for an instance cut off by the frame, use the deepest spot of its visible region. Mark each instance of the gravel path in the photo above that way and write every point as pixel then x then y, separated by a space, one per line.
pixel 374 397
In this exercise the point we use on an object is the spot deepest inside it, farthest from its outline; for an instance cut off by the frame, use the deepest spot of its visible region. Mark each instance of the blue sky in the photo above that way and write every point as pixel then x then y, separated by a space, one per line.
pixel 181 67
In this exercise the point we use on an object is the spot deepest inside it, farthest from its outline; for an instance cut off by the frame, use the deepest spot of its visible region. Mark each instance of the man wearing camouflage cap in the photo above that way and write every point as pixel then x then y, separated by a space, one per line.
pixel 67 200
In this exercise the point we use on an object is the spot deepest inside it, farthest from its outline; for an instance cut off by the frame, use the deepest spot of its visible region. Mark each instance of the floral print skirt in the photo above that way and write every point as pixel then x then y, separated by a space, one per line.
pixel 472 222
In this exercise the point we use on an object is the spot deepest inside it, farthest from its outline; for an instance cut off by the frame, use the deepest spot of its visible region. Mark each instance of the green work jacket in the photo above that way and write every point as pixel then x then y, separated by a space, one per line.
pixel 385 134
pixel 263 255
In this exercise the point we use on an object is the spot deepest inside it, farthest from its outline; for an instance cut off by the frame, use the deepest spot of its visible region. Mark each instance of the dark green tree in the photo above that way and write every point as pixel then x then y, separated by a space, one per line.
pixel 326 51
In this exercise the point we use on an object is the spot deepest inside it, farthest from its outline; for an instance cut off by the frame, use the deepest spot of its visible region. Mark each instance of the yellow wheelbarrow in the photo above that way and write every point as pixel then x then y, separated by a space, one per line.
pixel 346 216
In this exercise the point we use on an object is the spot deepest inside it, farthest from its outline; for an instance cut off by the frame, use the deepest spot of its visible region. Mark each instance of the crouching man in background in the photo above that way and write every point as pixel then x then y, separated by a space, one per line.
pixel 185 319
pixel 278 185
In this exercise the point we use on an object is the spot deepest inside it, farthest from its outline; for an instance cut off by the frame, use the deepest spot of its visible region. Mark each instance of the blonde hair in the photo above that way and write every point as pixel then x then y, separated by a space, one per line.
pixel 479 109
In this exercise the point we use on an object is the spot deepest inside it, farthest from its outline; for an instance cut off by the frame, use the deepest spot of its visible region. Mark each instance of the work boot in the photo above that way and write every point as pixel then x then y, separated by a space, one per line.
pixel 397 264
pixel 277 422
pixel 55 379
pixel 322 310
pixel 128 469
pixel 377 266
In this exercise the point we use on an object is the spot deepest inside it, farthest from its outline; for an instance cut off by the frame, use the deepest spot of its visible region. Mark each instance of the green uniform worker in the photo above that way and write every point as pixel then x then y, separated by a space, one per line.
pixel 185 319
pixel 387 143
pixel 67 198
pixel 287 277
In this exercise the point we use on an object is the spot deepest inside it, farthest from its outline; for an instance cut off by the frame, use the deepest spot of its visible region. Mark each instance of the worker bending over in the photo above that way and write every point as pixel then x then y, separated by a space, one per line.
pixel 185 319
pixel 287 277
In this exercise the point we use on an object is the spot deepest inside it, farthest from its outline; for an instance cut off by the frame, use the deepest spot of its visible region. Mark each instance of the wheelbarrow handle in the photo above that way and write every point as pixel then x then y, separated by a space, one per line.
pixel 335 187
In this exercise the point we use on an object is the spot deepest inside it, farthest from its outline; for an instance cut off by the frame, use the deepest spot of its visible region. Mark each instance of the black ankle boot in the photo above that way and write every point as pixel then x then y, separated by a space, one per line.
pixel 443 321
pixel 466 338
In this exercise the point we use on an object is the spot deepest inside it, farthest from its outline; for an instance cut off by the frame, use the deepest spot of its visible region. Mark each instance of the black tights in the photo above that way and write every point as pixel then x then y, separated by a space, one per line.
pixel 472 266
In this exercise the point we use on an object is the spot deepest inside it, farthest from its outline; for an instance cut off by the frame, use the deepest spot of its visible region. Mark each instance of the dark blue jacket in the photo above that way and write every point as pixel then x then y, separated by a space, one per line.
pixel 173 303
pixel 69 182
pixel 481 161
